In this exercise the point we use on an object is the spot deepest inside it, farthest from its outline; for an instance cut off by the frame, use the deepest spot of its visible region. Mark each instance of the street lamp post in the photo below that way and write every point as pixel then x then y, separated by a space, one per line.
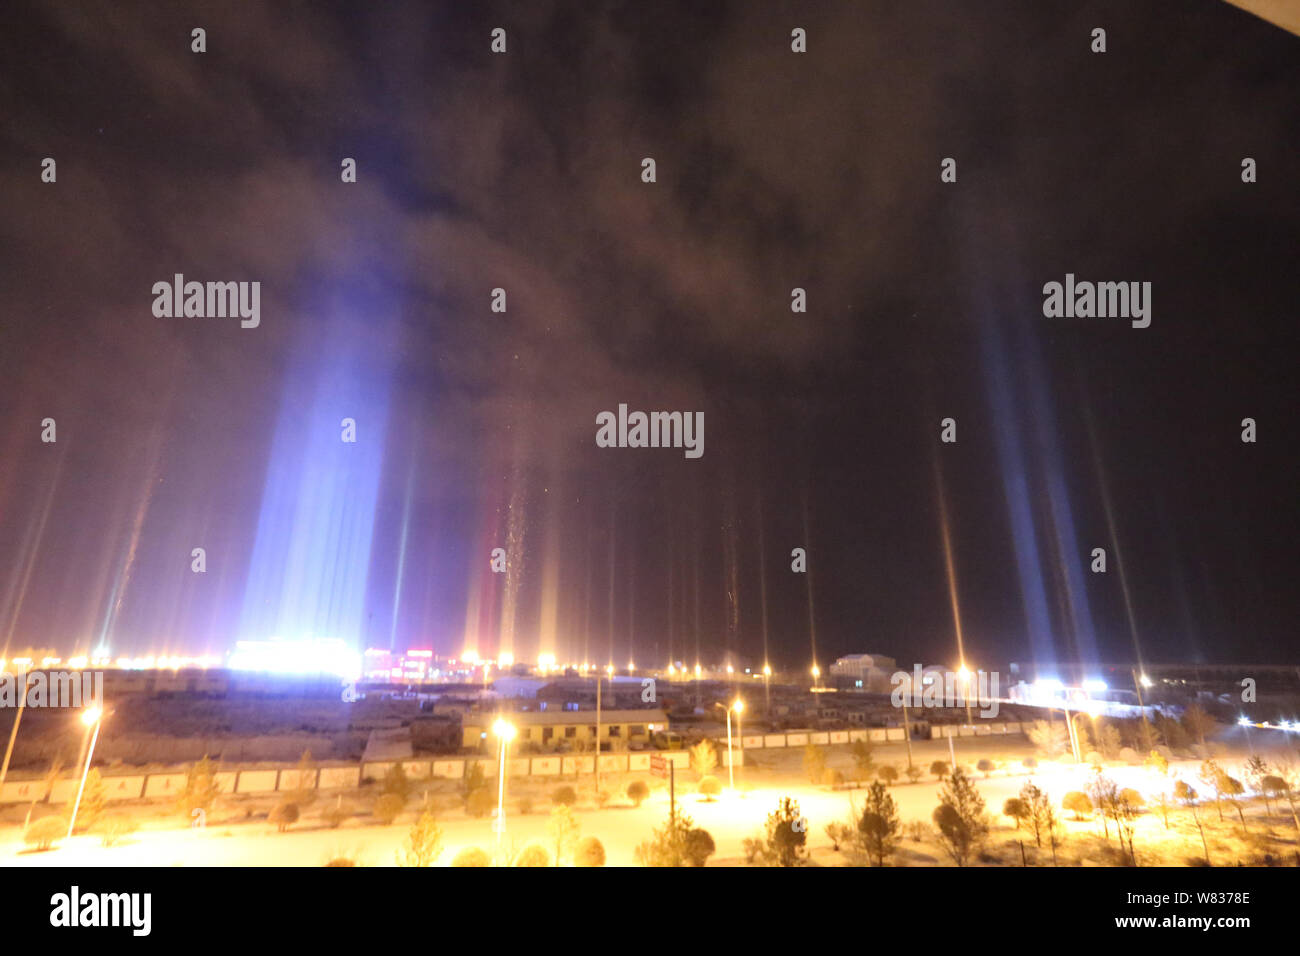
pixel 1146 725
pixel 13 734
pixel 767 689
pixel 505 732
pixel 964 674
pixel 731 762
pixel 739 708
pixel 91 717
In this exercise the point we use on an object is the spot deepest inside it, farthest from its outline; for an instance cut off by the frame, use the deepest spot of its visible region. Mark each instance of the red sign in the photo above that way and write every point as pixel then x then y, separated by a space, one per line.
pixel 659 766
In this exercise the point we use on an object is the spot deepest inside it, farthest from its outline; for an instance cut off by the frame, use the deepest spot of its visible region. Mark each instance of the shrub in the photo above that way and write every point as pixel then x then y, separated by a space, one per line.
pixel 589 852
pixel 913 773
pixel 667 844
pixel 939 769
pixel 304 776
pixel 335 815
pixel 475 779
pixel 525 805
pixel 833 778
pixel 44 833
pixel 1016 809
pixel 917 830
pixel 396 782
pixel 699 846
pixel 114 828
pixel 1078 803
pixel 1092 758
pixel 480 803
pixel 710 788
pixel 341 861
pixel 985 766
pixel 814 763
pixel 471 856
pixel 564 796
pixel 284 815
pixel 637 791
pixel 387 807
pixel 533 855
pixel 839 833
pixel 888 773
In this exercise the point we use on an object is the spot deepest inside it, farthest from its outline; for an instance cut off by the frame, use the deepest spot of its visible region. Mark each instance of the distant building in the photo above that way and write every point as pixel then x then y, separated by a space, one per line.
pixel 543 731
pixel 864 672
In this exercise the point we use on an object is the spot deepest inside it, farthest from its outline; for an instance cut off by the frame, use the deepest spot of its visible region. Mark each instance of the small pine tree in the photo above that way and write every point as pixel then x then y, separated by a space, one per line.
pixel 786 834
pixel 563 829
pixel 200 791
pixel 878 828
pixel 423 844
pixel 94 797
pixel 703 758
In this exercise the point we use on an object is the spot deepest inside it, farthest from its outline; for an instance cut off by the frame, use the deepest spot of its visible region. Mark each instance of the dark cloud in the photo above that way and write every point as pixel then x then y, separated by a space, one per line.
pixel 775 171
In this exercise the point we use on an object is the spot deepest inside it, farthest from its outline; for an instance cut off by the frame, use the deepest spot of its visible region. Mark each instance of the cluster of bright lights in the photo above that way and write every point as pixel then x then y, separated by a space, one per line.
pixel 98 662
pixel 319 656
pixel 1291 726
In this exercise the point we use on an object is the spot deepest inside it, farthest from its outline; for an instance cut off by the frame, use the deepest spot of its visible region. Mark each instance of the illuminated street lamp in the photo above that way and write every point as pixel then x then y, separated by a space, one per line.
pixel 505 731
pixel 92 716
pixel 816 674
pixel 739 708
pixel 964 674
pixel 767 688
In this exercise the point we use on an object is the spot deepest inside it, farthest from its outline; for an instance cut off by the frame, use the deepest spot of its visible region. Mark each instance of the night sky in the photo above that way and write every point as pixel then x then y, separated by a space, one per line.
pixel 476 429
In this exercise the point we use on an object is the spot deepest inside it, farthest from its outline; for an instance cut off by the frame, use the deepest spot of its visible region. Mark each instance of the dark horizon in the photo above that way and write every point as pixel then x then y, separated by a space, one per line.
pixel 476 429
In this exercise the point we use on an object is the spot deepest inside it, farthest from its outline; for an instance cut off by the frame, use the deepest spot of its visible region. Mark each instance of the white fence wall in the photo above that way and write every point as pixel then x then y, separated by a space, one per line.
pixel 167 785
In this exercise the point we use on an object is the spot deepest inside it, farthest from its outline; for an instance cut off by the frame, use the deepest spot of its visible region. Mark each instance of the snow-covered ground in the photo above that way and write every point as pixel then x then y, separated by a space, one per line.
pixel 768 776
